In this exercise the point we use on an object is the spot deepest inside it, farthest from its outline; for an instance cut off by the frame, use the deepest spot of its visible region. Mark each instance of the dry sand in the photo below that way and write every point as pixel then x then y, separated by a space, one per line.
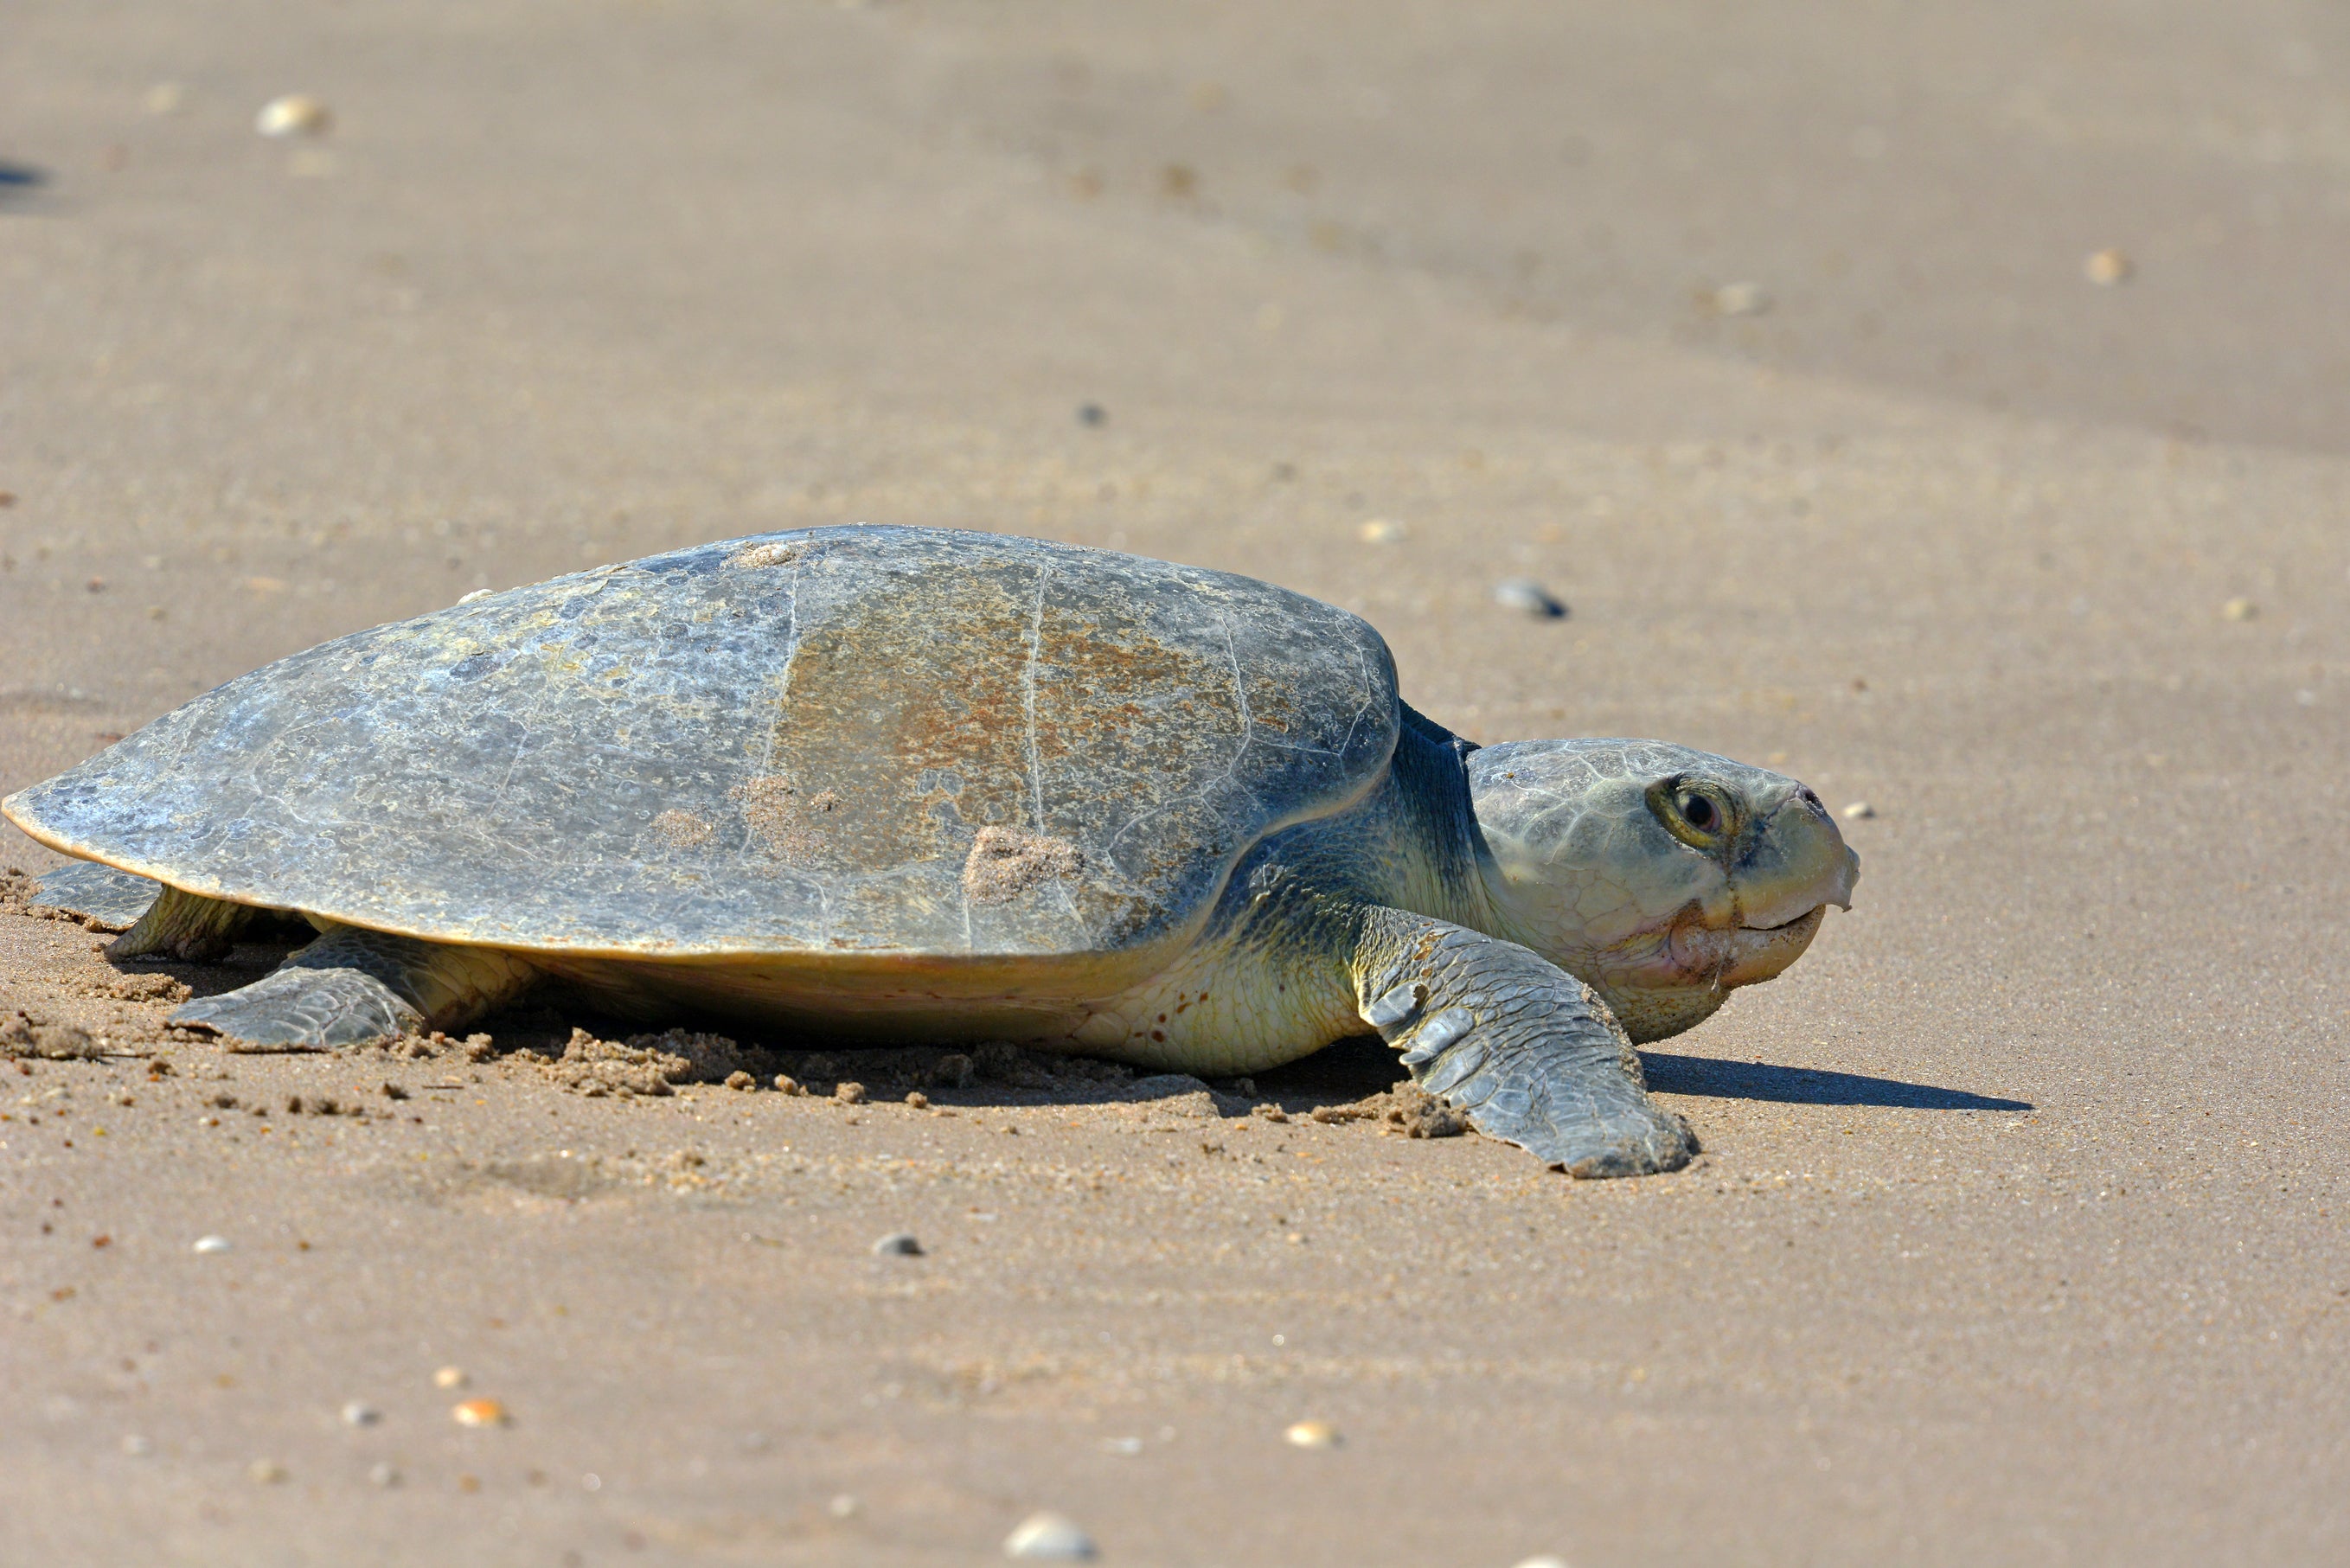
pixel 2020 1232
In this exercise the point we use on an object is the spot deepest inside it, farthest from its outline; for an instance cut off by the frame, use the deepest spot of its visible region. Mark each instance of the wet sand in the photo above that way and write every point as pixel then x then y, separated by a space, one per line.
pixel 2020 1231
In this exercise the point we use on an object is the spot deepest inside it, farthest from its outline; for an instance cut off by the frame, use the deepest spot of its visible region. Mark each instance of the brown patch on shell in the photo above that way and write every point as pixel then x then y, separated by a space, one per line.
pixel 1006 862
pixel 780 819
pixel 681 830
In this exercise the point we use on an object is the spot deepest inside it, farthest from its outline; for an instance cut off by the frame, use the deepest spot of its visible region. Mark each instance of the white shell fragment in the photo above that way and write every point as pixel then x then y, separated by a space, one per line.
pixel 898 1244
pixel 2106 267
pixel 1525 595
pixel 1312 1435
pixel 1048 1537
pixel 295 114
pixel 212 1244
pixel 1860 811
pixel 1741 300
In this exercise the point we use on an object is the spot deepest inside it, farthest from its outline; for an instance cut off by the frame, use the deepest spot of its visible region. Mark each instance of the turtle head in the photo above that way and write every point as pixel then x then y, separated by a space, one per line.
pixel 1660 876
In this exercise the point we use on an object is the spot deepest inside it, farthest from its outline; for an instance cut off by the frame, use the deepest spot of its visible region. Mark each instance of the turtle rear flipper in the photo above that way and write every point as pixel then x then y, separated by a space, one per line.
pixel 355 987
pixel 184 926
pixel 157 920
pixel 1526 1049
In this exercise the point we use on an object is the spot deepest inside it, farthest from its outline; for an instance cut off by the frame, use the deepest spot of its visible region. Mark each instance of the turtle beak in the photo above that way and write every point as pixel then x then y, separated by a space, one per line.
pixel 1794 862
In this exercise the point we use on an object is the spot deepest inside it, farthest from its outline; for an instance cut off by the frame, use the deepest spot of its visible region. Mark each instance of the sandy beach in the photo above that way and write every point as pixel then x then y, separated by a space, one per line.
pixel 1949 406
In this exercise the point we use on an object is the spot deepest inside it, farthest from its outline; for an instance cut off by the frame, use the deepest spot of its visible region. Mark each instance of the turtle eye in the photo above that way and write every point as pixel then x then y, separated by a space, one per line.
pixel 1695 814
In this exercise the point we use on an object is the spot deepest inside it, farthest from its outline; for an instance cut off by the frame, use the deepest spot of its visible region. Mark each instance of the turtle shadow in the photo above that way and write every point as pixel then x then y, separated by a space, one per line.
pixel 1727 1080
pixel 241 966
pixel 998 1077
pixel 1341 1072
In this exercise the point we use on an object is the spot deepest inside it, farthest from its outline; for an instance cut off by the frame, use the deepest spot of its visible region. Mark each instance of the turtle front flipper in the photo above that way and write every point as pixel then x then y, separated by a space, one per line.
pixel 354 987
pixel 1526 1049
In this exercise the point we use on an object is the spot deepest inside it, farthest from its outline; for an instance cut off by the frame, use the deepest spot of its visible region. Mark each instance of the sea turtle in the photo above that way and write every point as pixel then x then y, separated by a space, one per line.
pixel 906 784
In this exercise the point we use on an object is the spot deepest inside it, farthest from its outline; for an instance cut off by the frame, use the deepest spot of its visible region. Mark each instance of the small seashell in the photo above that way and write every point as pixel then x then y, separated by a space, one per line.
pixel 479 1413
pixel 1525 595
pixel 1858 810
pixel 2106 267
pixel 212 1244
pixel 295 114
pixel 1313 1435
pixel 1741 300
pixel 898 1244
pixel 1049 1537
